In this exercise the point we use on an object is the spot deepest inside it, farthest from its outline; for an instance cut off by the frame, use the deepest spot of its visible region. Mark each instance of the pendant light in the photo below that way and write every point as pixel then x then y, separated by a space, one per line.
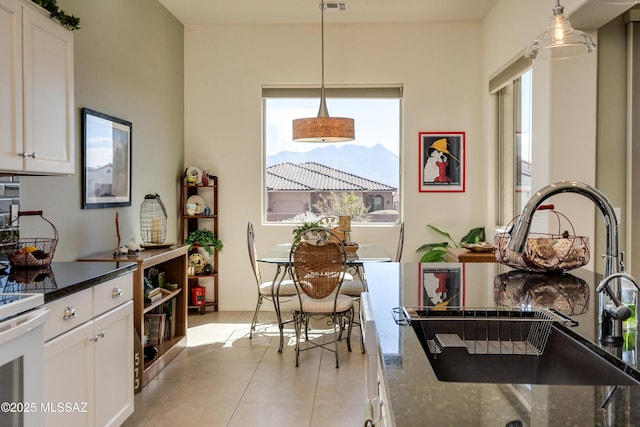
pixel 323 128
pixel 560 40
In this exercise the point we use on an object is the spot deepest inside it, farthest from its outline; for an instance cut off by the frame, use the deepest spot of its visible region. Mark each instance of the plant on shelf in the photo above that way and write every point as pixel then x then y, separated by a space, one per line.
pixel 435 252
pixel 70 22
pixel 205 239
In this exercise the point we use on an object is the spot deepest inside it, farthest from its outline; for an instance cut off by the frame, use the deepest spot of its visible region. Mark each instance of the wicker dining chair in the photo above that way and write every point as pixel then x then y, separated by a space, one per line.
pixel 329 221
pixel 317 262
pixel 266 290
pixel 400 243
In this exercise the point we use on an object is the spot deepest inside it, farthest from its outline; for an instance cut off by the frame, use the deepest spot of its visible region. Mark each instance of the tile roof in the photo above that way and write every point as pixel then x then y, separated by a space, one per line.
pixel 311 176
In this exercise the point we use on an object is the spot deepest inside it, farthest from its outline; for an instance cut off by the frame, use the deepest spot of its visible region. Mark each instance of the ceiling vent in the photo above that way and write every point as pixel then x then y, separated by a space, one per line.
pixel 334 6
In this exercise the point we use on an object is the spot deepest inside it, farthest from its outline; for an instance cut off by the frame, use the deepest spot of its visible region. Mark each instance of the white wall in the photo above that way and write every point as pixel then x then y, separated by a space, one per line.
pixel 564 105
pixel 440 66
pixel 128 64
pixel 612 131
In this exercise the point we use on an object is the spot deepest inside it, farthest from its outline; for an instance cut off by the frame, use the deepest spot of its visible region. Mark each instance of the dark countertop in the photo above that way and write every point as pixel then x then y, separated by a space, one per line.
pixel 62 278
pixel 418 398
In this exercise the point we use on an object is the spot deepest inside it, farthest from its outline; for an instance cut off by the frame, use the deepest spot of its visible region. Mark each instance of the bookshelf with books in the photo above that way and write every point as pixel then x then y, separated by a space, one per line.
pixel 169 301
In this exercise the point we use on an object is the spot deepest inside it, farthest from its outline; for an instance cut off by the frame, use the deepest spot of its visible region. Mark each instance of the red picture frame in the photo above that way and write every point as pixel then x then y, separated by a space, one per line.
pixel 442 163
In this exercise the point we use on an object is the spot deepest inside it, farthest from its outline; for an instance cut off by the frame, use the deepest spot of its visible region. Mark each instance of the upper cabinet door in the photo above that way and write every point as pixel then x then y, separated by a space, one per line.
pixel 11 85
pixel 47 95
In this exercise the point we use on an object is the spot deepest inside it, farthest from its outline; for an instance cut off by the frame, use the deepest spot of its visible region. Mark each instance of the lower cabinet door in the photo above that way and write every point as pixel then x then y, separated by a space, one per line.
pixel 69 379
pixel 113 362
pixel 89 372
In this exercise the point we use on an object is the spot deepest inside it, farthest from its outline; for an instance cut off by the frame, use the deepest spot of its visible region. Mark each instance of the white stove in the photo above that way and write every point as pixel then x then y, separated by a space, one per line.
pixel 12 304
pixel 21 357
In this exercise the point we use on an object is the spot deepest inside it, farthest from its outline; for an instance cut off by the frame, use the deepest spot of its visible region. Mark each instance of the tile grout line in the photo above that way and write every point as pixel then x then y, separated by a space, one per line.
pixel 265 359
pixel 235 410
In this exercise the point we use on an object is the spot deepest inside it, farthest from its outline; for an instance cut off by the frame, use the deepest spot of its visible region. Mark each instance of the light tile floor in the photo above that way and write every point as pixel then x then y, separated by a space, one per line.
pixel 223 378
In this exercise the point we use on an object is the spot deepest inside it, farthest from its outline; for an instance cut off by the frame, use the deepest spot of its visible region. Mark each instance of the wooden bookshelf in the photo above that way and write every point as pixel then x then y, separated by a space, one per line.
pixel 173 261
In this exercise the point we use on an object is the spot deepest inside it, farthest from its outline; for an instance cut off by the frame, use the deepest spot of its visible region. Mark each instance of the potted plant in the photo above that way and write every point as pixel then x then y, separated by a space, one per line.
pixel 205 239
pixel 435 252
pixel 304 227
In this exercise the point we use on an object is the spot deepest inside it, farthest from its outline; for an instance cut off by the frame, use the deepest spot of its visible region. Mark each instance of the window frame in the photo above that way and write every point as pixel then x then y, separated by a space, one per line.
pixel 503 88
pixel 344 92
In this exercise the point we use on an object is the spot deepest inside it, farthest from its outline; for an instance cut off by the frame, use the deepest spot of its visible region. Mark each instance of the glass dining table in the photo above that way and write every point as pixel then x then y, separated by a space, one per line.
pixel 279 255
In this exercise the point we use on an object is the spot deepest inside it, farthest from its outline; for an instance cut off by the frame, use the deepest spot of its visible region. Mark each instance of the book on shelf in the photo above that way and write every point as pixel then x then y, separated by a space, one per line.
pixel 156 329
pixel 147 331
pixel 168 308
pixel 156 294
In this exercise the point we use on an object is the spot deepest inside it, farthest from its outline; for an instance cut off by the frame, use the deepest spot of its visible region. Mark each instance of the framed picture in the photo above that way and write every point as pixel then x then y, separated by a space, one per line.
pixel 442 161
pixel 441 285
pixel 106 161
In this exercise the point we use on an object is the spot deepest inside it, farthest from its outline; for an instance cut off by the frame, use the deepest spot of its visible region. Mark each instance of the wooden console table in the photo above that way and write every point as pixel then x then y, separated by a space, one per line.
pixel 465 255
pixel 173 261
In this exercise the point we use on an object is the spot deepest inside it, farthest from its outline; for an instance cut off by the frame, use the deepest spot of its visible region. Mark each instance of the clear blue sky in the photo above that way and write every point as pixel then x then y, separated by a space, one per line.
pixel 374 121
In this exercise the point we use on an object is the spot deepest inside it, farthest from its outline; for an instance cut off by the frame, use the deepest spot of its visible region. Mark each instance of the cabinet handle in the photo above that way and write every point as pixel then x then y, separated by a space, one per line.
pixel 32 155
pixel 69 313
pixel 116 292
pixel 97 337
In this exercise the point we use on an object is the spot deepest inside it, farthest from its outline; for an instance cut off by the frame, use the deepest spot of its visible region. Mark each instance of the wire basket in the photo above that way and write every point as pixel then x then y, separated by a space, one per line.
pixel 480 331
pixel 32 252
pixel 546 252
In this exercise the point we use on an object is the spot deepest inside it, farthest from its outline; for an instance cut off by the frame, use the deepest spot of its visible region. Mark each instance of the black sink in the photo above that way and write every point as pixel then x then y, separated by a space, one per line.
pixel 565 359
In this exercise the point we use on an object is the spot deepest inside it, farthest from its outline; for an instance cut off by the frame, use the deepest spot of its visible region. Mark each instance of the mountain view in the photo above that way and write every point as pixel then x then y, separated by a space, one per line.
pixel 375 163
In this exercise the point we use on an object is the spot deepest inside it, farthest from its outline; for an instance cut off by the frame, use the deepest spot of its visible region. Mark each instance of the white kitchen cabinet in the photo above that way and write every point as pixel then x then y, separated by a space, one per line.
pixel 89 367
pixel 375 385
pixel 113 366
pixel 69 376
pixel 36 92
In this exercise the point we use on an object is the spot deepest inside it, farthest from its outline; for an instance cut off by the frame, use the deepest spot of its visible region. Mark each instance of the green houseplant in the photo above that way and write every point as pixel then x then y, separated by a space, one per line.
pixel 435 252
pixel 205 239
pixel 304 227
pixel 69 21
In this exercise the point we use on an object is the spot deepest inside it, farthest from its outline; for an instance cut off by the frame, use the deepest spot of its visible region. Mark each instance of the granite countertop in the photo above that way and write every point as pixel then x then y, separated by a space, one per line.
pixel 418 398
pixel 62 278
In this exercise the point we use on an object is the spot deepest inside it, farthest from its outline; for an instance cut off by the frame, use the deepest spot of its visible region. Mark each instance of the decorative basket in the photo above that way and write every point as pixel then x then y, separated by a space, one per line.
pixel 545 252
pixel 153 219
pixel 32 252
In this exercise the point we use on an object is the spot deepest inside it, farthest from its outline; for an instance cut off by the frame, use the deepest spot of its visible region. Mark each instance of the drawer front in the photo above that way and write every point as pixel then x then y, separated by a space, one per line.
pixel 111 294
pixel 67 313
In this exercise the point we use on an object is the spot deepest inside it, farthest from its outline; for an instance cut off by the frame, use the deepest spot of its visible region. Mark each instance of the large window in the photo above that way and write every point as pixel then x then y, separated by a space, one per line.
pixel 361 178
pixel 515 162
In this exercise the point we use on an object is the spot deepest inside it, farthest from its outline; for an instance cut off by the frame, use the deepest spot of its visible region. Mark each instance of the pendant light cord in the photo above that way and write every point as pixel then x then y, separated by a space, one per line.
pixel 323 111
pixel 322 39
pixel 323 128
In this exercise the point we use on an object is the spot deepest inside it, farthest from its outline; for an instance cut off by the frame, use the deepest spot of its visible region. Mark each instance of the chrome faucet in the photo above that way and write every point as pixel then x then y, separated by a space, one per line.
pixel 618 311
pixel 612 311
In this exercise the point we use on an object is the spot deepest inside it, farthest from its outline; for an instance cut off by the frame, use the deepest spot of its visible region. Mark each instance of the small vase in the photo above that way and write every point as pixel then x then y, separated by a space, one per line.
pixel 205 178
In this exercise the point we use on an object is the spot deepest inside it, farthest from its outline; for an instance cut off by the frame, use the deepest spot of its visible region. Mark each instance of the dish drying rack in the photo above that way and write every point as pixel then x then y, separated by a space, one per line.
pixel 479 331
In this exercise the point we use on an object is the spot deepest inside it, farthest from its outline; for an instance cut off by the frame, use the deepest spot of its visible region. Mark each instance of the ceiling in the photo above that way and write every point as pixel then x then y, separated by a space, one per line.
pixel 203 12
